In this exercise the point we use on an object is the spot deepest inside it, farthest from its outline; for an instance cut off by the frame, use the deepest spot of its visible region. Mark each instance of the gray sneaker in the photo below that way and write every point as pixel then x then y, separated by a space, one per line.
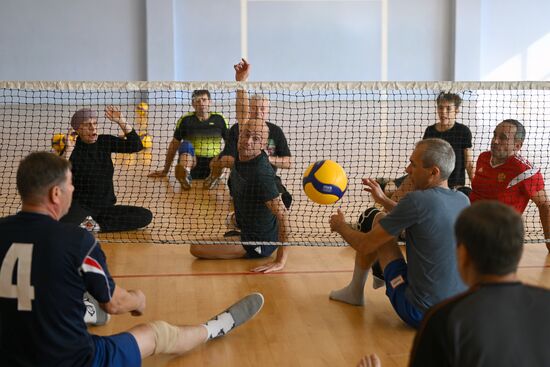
pixel 183 175
pixel 235 316
pixel 94 315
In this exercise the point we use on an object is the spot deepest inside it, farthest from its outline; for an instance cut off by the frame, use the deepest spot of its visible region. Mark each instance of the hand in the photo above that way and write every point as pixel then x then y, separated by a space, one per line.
pixel 375 190
pixel 269 267
pixel 242 70
pixel 337 221
pixel 140 299
pixel 70 139
pixel 370 361
pixel 113 114
pixel 159 173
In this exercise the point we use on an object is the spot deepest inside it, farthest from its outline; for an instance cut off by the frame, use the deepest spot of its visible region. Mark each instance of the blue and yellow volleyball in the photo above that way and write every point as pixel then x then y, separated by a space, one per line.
pixel 325 182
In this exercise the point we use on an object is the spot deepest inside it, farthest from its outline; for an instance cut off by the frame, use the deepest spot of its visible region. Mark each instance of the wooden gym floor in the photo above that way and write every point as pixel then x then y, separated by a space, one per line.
pixel 298 326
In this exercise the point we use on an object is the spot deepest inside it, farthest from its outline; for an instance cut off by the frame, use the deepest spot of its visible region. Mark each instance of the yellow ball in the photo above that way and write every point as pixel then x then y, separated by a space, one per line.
pixel 142 108
pixel 325 182
pixel 58 143
pixel 146 140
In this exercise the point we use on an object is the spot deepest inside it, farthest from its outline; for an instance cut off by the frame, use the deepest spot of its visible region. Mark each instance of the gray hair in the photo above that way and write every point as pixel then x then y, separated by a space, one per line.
pixel 438 152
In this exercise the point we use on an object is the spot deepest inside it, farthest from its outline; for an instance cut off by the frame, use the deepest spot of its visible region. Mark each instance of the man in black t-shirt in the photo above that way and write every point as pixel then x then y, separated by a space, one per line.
pixel 456 134
pixel 93 170
pixel 197 138
pixel 255 107
pixel 46 266
pixel 259 209
pixel 499 321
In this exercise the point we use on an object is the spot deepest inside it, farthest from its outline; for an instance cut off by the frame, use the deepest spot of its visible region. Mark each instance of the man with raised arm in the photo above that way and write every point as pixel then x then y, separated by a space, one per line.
pixel 499 321
pixel 197 139
pixel 503 174
pixel 247 108
pixel 46 266
pixel 427 215
pixel 93 171
pixel 259 210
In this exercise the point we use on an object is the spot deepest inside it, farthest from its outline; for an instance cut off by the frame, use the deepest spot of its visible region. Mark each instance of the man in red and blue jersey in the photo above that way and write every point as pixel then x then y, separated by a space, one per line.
pixel 503 175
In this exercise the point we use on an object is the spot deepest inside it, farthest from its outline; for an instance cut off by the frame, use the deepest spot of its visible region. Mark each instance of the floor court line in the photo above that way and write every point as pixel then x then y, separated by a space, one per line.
pixel 167 275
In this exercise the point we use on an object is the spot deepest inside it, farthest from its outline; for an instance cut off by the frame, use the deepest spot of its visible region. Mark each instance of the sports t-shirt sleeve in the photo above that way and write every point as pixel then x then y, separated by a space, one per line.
pixel 402 216
pixel 428 133
pixel 180 130
pixel 467 137
pixel 281 144
pixel 534 184
pixel 96 275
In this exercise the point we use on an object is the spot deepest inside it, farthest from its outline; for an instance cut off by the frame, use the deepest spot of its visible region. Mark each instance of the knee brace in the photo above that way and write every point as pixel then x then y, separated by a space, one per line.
pixel 166 337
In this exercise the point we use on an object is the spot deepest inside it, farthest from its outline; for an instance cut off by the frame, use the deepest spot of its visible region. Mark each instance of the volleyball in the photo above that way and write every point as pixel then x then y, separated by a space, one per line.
pixel 58 143
pixel 142 108
pixel 325 182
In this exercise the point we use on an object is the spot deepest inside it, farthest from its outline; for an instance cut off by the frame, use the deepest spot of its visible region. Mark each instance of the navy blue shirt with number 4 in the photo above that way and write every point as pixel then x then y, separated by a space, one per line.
pixel 45 268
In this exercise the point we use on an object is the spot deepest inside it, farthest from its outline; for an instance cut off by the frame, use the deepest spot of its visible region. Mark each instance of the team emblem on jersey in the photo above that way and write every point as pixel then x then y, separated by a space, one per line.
pixel 501 177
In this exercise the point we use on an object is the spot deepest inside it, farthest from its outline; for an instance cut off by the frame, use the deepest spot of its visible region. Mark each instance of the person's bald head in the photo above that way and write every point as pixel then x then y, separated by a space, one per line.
pixel 253 137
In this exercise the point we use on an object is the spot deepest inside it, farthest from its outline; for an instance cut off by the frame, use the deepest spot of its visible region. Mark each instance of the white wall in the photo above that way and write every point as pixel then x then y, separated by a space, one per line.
pixel 72 40
pixel 287 40
pixel 502 40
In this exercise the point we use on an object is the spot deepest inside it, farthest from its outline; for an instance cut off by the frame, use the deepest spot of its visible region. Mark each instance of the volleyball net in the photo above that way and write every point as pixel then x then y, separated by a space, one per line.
pixel 370 129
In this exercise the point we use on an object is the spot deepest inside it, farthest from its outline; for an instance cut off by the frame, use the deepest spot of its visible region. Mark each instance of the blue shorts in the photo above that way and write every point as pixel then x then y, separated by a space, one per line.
pixel 116 350
pixel 259 251
pixel 186 148
pixel 395 274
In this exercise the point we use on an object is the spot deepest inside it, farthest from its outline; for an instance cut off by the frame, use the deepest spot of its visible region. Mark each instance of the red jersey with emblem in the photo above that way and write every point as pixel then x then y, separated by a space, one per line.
pixel 513 182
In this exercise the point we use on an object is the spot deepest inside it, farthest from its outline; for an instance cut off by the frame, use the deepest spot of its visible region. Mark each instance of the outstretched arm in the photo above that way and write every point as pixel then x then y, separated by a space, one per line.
pixel 280 162
pixel 542 201
pixel 278 209
pixel 242 71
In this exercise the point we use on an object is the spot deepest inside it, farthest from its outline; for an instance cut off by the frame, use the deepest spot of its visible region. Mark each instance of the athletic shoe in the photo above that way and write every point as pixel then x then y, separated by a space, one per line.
pixel 90 224
pixel 235 316
pixel 183 175
pixel 94 315
pixel 377 276
pixel 211 182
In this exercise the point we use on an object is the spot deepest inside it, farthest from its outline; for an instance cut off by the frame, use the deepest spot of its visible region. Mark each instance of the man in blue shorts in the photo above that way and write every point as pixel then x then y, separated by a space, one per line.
pixel 197 139
pixel 427 215
pixel 259 209
pixel 46 266
pixel 499 321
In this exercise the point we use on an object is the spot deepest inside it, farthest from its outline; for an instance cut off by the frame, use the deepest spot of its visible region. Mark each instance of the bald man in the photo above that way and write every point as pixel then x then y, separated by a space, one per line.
pixel 259 210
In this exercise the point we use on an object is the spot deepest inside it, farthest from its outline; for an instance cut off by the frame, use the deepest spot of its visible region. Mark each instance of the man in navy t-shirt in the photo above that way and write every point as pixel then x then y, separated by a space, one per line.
pixel 45 268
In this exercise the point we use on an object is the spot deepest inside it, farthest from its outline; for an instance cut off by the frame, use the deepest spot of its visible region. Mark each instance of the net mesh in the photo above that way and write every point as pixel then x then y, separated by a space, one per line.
pixel 370 129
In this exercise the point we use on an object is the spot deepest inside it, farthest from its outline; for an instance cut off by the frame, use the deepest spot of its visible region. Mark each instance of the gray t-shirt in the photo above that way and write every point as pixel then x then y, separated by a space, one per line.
pixel 428 216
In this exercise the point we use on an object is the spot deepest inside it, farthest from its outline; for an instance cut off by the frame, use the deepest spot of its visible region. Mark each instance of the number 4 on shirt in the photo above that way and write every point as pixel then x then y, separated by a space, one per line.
pixel 19 255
